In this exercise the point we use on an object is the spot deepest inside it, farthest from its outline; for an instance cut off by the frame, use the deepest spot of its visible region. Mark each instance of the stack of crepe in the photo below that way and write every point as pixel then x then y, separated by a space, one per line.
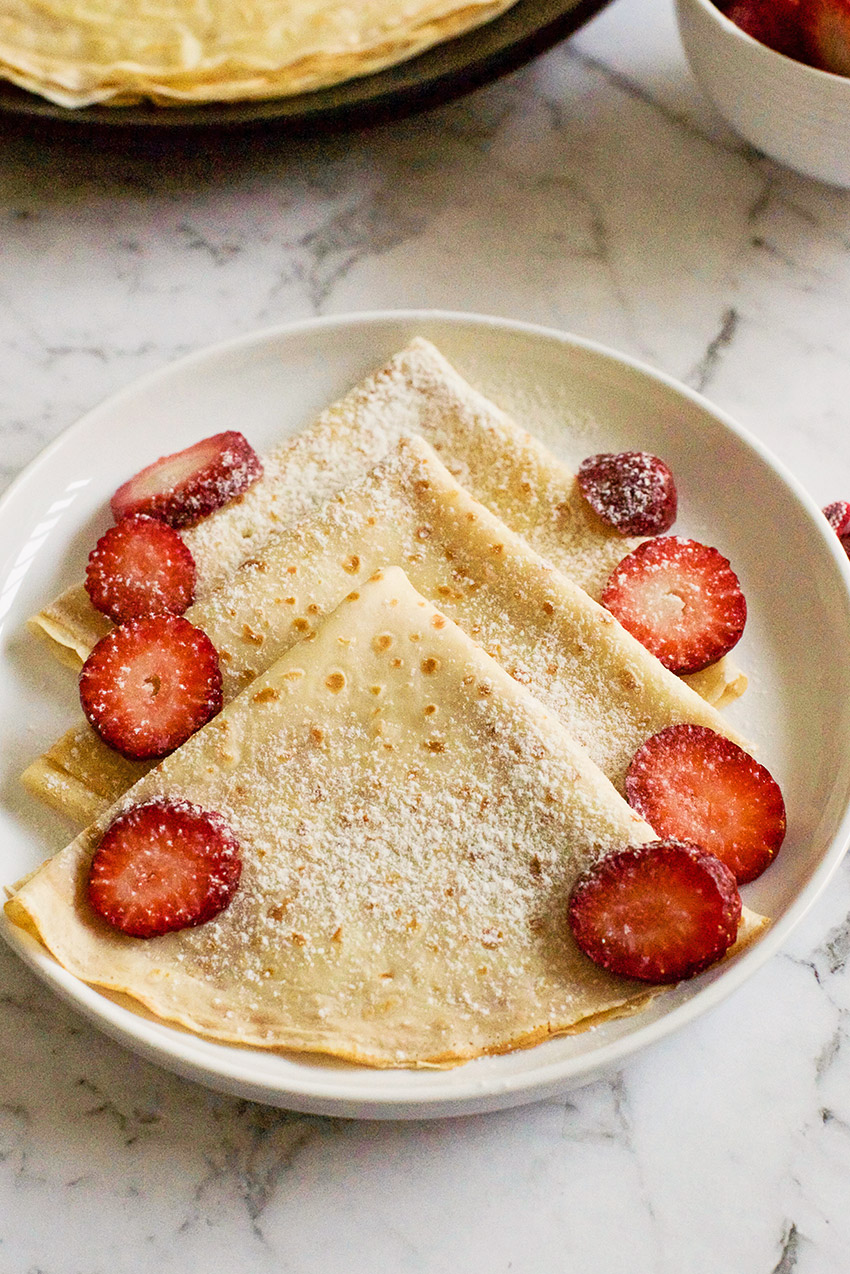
pixel 179 51
pixel 428 723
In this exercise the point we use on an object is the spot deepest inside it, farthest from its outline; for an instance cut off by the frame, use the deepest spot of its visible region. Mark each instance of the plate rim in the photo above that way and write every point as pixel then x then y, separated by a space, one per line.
pixel 307 1092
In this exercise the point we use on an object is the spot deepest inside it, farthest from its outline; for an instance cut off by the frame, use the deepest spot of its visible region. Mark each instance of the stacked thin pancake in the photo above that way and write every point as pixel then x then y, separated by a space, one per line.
pixel 175 51
pixel 438 786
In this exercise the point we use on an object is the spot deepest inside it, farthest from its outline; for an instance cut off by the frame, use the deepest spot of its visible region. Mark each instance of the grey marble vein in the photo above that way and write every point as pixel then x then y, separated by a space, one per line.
pixel 703 373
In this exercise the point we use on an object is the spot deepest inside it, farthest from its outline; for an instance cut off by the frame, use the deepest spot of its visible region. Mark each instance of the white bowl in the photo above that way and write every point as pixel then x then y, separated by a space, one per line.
pixel 581 399
pixel 793 112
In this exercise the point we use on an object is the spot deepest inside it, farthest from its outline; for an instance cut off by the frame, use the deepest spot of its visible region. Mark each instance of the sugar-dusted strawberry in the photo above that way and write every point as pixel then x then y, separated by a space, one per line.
pixel 140 567
pixel 149 684
pixel 776 23
pixel 659 912
pixel 826 32
pixel 837 515
pixel 163 866
pixel 693 784
pixel 632 491
pixel 681 599
pixel 187 486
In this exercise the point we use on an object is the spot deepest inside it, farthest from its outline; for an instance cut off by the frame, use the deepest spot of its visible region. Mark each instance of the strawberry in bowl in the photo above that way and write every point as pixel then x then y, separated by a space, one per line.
pixel 776 23
pixel 779 72
pixel 812 31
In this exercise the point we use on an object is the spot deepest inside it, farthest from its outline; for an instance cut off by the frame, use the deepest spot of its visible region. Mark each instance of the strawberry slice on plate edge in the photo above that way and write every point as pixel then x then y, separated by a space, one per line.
pixel 659 912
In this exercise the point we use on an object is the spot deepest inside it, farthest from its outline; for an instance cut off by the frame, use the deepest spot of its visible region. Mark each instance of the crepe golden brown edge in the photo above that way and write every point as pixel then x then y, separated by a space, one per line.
pixel 115 53
pixel 411 820
pixel 416 391
pixel 602 684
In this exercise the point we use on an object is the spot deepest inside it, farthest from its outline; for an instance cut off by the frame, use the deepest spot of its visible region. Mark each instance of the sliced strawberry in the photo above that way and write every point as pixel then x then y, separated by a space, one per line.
pixel 632 491
pixel 838 517
pixel 163 866
pixel 692 784
pixel 183 488
pixel 776 23
pixel 681 599
pixel 140 567
pixel 659 912
pixel 149 684
pixel 826 31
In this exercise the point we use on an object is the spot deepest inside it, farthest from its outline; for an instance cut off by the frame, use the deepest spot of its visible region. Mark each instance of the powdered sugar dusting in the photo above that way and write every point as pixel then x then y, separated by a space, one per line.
pixel 601 683
pixel 408 855
pixel 418 392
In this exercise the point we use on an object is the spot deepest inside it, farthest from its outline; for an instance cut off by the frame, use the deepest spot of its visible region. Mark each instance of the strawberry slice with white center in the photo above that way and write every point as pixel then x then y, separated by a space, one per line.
pixel 693 784
pixel 680 599
pixel 659 912
pixel 149 684
pixel 140 567
pixel 189 485
pixel 164 866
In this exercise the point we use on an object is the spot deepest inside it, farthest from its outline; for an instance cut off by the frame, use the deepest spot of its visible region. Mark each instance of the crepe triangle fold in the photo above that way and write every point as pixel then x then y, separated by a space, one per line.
pixel 500 464
pixel 411 822
pixel 604 686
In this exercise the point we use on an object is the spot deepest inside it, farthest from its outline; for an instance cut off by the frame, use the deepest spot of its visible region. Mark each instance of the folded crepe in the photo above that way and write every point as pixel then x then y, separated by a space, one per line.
pixel 116 52
pixel 419 392
pixel 411 823
pixel 609 692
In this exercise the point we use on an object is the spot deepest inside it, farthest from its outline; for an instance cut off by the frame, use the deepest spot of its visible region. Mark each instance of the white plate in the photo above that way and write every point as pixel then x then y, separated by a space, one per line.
pixel 580 398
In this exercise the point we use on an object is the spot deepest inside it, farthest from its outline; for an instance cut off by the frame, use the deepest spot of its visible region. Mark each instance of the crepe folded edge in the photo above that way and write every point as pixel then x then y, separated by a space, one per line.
pixel 412 382
pixel 42 902
pixel 71 630
pixel 79 776
pixel 49 893
pixel 207 1022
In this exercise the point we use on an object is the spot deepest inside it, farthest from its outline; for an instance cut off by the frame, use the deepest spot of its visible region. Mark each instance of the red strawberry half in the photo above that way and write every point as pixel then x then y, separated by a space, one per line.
pixel 838 517
pixel 659 912
pixel 826 28
pixel 692 784
pixel 630 490
pixel 187 486
pixel 681 599
pixel 163 866
pixel 149 684
pixel 140 567
pixel 776 23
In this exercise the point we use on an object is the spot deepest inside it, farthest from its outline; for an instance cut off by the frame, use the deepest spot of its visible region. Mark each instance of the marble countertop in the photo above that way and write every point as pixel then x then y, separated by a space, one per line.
pixel 594 191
